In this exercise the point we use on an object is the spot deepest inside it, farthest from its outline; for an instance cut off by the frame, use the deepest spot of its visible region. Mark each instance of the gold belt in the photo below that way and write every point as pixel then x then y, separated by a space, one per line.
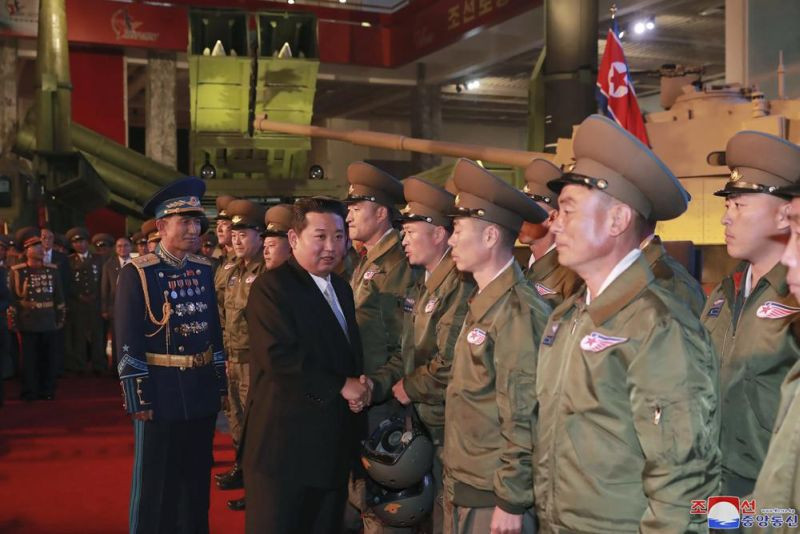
pixel 36 305
pixel 183 361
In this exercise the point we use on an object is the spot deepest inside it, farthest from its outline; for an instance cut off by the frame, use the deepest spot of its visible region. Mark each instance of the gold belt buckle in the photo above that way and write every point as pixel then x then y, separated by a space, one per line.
pixel 197 360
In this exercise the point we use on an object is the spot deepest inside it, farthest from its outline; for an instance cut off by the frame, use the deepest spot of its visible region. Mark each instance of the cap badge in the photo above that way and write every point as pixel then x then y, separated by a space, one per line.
pixel 351 190
pixel 526 189
pixel 736 175
pixel 457 200
pixel 271 226
pixel 191 202
pixel 236 219
pixel 406 210
pixel 602 184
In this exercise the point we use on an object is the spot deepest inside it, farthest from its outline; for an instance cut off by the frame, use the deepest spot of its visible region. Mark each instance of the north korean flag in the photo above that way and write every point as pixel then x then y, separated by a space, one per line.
pixel 615 90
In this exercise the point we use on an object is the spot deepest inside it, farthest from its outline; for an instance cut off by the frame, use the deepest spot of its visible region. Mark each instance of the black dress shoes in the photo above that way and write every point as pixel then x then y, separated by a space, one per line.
pixel 237 505
pixel 231 480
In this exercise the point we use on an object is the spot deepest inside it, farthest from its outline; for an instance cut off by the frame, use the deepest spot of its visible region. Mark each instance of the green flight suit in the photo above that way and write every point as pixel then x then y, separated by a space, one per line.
pixel 232 301
pixel 628 428
pixel 755 352
pixel 778 484
pixel 491 399
pixel 553 281
pixel 673 276
pixel 430 334
pixel 380 283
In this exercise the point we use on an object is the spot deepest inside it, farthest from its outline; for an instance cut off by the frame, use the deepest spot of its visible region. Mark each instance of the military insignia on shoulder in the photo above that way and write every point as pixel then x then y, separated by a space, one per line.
pixel 146 260
pixel 431 305
pixel 550 338
pixel 369 275
pixel 715 308
pixel 597 342
pixel 775 310
pixel 543 290
pixel 408 304
pixel 228 266
pixel 476 336
pixel 197 258
pixel 249 279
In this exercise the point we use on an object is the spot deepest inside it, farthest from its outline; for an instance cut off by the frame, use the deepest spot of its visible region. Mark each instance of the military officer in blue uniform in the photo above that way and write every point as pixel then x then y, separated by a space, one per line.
pixel 172 367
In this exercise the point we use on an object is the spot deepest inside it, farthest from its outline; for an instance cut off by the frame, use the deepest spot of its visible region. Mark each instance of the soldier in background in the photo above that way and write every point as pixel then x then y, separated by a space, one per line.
pixel 108 285
pixel 5 244
pixel 84 321
pixel 36 312
pixel 420 372
pixel 752 317
pixel 139 241
pixel 778 483
pixel 627 380
pixel 247 223
pixel 208 244
pixel 60 260
pixel 380 283
pixel 103 244
pixel 276 243
pixel 669 272
pixel 490 399
pixel 223 230
pixel 552 281
pixel 150 231
pixel 61 244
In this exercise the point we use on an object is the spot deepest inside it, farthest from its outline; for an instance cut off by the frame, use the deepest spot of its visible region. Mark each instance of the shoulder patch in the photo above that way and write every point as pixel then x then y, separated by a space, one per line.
pixel 146 260
pixel 775 310
pixel 197 258
pixel 597 342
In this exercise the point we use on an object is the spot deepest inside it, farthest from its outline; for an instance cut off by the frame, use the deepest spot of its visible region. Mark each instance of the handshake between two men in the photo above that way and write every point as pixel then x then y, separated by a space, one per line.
pixel 358 392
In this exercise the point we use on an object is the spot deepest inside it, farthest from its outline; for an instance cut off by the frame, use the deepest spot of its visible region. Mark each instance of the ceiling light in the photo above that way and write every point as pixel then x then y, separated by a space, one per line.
pixel 622 34
pixel 342 1
pixel 366 25
pixel 650 24
pixel 639 28
pixel 473 84
pixel 291 2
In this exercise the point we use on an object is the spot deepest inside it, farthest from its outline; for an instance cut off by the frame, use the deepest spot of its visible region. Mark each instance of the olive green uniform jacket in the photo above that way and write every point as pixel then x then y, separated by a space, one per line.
pixel 673 276
pixel 755 353
pixel 553 281
pixel 232 301
pixel 628 429
pixel 491 397
pixel 429 337
pixel 380 283
pixel 778 484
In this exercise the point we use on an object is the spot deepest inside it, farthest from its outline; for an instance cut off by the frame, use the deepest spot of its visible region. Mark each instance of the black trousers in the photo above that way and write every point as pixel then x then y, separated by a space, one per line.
pixel 288 507
pixel 171 476
pixel 38 364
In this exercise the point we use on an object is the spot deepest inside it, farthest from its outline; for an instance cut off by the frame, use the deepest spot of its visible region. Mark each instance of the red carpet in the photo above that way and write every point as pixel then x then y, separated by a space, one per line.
pixel 65 465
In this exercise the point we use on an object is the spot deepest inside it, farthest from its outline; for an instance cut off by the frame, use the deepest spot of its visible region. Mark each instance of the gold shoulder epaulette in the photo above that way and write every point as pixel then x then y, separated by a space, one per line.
pixel 19 266
pixel 146 261
pixel 198 259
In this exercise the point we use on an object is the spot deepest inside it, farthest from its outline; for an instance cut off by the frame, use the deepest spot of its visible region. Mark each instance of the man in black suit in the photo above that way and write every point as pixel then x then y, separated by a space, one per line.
pixel 301 435
pixel 108 285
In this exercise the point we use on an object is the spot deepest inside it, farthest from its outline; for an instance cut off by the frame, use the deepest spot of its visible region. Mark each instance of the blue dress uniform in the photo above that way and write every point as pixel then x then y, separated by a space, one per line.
pixel 172 362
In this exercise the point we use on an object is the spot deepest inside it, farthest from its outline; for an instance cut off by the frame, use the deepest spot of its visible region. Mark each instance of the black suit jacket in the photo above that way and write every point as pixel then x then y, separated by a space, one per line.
pixel 108 284
pixel 61 261
pixel 298 426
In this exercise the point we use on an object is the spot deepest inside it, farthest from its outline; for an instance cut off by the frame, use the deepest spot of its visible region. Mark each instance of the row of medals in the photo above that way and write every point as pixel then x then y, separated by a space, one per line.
pixel 185 287
pixel 41 283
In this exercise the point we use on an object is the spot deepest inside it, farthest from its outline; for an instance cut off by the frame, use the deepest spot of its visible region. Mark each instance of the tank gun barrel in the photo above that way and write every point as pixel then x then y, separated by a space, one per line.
pixel 504 156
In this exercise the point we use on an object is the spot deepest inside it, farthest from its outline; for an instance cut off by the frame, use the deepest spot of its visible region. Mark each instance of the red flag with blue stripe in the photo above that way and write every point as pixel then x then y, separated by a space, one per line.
pixel 616 96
